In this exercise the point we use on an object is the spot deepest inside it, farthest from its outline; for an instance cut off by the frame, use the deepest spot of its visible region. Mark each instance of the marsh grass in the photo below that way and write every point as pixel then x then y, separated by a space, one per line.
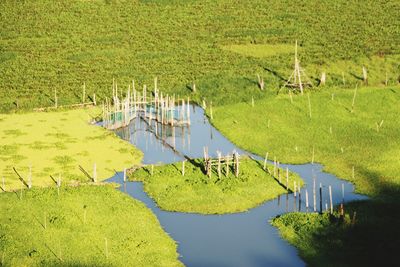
pixel 69 229
pixel 196 192
pixel 53 146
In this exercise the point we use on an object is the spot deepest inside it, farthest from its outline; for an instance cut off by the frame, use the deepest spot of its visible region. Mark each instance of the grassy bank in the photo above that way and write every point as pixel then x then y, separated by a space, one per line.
pixel 47 45
pixel 56 143
pixel 196 192
pixel 341 136
pixel 42 228
pixel 364 136
pixel 324 240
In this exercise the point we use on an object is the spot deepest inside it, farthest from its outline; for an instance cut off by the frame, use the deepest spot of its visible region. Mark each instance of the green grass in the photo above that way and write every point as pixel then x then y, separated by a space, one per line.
pixel 324 240
pixel 292 134
pixel 47 45
pixel 56 143
pixel 46 229
pixel 196 192
pixel 287 131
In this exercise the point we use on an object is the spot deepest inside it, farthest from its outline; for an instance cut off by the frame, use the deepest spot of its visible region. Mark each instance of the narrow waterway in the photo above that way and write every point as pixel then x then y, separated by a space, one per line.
pixel 240 239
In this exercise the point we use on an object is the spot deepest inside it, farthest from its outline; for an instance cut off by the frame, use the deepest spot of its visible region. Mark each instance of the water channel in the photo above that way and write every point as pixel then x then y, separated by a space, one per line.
pixel 240 239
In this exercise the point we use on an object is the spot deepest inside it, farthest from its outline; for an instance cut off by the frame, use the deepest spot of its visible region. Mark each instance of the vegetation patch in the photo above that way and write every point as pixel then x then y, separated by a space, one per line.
pixel 326 240
pixel 261 50
pixel 196 192
pixel 343 137
pixel 77 227
pixel 47 144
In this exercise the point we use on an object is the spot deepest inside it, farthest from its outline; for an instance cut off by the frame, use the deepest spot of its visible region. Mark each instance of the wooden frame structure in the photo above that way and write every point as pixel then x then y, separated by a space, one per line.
pixel 121 111
pixel 227 161
pixel 298 80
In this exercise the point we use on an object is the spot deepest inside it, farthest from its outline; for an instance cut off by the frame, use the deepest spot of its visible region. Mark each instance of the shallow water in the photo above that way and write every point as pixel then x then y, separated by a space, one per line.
pixel 240 239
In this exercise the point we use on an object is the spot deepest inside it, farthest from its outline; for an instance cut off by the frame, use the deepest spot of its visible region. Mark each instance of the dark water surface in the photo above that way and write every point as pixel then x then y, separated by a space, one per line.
pixel 241 239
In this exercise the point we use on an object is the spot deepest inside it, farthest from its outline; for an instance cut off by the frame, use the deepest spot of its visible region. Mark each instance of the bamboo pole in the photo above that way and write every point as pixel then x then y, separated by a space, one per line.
pixel 265 161
pixel 354 99
pixel 330 199
pixel 306 199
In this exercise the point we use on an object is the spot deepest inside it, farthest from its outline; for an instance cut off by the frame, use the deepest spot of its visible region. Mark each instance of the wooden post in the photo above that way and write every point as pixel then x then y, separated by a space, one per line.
pixel 94 173
pixel 320 197
pixel 183 168
pixel 314 195
pixel 313 154
pixel 55 98
pixel 227 165
pixel 343 80
pixel 365 75
pixel 219 164
pixel 306 199
pixel 94 99
pixel 30 177
pixel 353 221
pixel 265 161
pixel 330 199
pixel 309 104
pixel 194 88
pixel 211 113
pixel 323 79
pixel 124 174
pixel 354 99
pixel 279 174
pixel 84 93
pixel 386 79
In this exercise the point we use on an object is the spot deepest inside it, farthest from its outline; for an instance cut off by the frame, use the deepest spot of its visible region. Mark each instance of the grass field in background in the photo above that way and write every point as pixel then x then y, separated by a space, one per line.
pixel 47 45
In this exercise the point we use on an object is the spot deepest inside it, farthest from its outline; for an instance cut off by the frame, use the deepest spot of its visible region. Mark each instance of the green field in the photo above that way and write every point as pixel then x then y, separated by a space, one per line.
pixel 47 45
pixel 196 192
pixel 341 139
pixel 221 46
pixel 42 228
pixel 57 143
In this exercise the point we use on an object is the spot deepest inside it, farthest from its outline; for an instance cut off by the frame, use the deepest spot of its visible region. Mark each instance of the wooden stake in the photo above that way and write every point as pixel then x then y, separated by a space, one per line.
pixel 323 79
pixel 314 195
pixel 227 165
pixel 294 188
pixel 94 173
pixel 30 177
pixel 183 168
pixel 309 104
pixel 211 113
pixel 307 199
pixel 354 99
pixel 365 75
pixel 320 197
pixel 55 98
pixel 265 161
pixel 330 199
pixel 84 93
pixel 124 174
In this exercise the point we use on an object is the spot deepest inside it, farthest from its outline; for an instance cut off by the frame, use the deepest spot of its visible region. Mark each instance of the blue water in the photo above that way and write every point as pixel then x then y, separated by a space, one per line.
pixel 240 239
